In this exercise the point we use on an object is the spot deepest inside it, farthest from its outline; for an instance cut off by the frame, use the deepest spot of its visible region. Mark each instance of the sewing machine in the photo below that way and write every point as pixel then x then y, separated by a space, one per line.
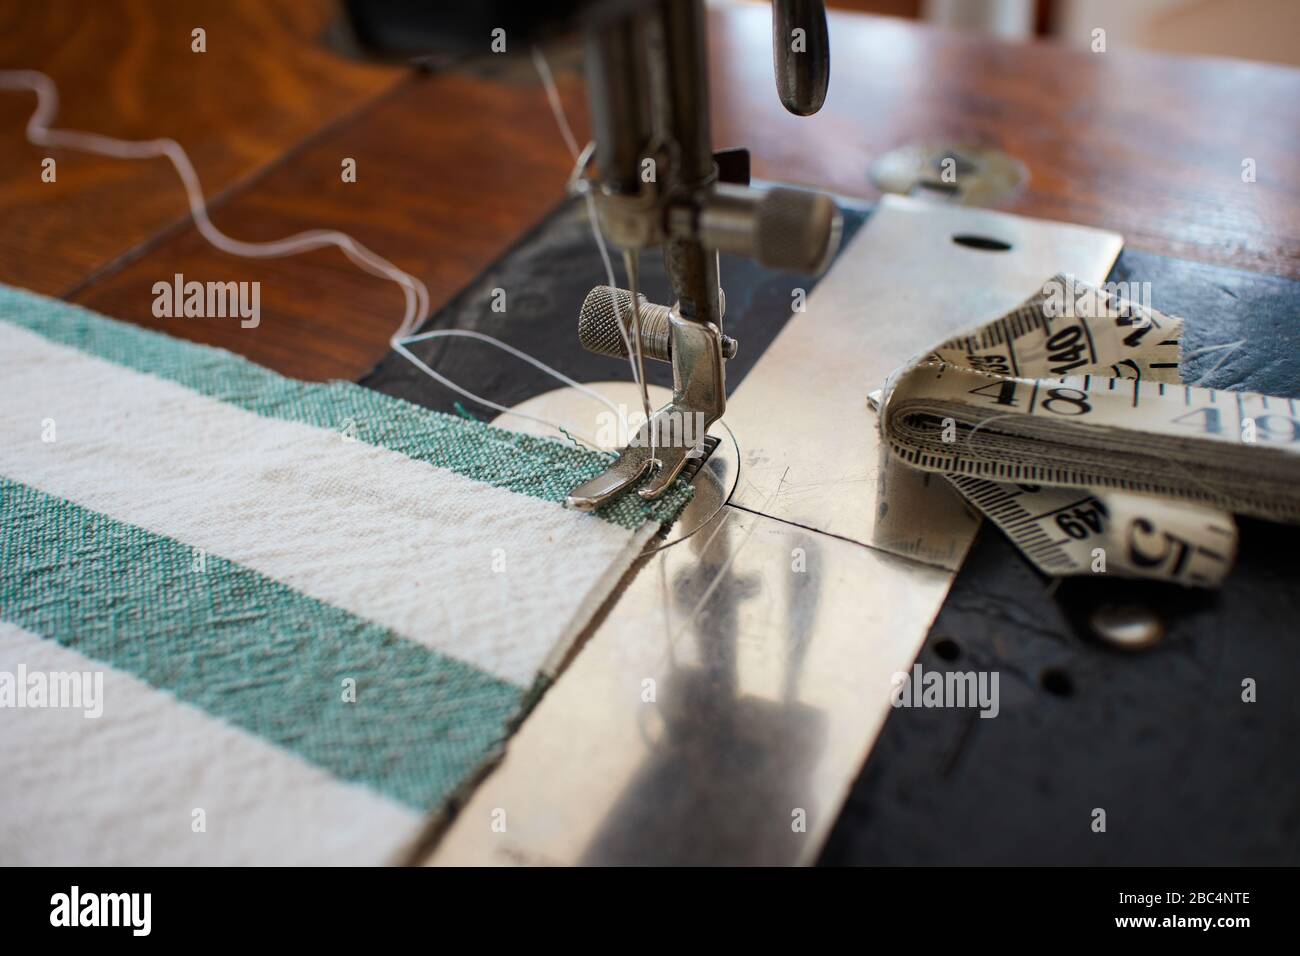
pixel 770 622
pixel 773 615
pixel 806 572
pixel 659 184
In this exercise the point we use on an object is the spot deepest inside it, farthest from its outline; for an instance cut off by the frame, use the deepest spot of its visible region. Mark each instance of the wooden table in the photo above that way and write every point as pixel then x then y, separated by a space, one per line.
pixel 453 167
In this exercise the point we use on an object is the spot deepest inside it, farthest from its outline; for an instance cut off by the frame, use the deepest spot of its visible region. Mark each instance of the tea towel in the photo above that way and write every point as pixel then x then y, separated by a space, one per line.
pixel 313 609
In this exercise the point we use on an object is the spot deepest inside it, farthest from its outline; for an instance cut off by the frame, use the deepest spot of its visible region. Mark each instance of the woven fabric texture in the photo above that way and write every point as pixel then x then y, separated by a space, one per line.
pixel 315 590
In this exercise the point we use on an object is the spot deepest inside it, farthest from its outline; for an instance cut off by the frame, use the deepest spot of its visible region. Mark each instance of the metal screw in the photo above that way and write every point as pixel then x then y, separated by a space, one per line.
pixel 1126 626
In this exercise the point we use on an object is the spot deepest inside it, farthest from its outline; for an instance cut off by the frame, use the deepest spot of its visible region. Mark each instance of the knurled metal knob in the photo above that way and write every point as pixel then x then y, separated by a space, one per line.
pixel 599 327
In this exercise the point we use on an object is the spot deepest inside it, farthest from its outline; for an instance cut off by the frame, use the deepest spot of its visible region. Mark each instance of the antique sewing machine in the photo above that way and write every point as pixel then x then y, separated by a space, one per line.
pixel 658 183
pixel 774 605
pixel 726 692
pixel 805 572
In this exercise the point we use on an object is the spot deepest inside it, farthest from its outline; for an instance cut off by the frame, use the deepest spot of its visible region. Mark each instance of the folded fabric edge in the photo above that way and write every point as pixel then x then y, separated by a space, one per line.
pixel 540 467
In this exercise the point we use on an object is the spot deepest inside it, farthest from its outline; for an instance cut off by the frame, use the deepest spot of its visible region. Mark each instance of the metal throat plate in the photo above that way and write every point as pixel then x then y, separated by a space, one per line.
pixel 729 692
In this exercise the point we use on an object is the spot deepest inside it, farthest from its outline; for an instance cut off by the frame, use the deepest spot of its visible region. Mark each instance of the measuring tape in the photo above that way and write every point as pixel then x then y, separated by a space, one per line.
pixel 1066 424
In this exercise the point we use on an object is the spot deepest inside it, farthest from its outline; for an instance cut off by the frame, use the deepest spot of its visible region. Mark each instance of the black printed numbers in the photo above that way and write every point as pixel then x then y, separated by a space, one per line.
pixel 994 363
pixel 1067 401
pixel 1079 522
pixel 1149 547
pixel 1065 350
pixel 1000 393
pixel 1277 428
pixel 1206 419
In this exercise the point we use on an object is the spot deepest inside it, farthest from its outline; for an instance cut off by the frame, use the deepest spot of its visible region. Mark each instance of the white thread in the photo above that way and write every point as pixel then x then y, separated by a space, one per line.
pixel 517 353
pixel 609 276
pixel 578 184
pixel 1230 346
pixel 631 268
pixel 553 97
pixel 415 292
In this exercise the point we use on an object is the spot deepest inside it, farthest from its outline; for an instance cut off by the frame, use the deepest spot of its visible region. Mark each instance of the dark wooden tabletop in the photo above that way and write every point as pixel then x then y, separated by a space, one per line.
pixel 453 167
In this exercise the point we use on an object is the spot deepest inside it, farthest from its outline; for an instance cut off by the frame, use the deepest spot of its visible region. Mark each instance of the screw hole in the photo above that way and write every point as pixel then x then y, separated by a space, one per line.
pixel 1056 681
pixel 947 649
pixel 983 243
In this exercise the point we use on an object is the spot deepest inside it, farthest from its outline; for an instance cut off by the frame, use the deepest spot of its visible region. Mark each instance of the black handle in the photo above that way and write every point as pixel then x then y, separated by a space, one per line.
pixel 801 53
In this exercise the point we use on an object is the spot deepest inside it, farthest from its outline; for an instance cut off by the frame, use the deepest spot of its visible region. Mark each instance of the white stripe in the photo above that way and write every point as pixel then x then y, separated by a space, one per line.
pixel 122 788
pixel 393 540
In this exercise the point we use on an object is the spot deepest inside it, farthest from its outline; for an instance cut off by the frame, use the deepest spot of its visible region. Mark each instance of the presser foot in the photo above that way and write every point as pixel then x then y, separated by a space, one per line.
pixel 679 442
pixel 696 351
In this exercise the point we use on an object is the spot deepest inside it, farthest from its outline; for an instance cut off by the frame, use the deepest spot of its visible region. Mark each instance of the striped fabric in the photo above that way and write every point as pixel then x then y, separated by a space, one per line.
pixel 316 609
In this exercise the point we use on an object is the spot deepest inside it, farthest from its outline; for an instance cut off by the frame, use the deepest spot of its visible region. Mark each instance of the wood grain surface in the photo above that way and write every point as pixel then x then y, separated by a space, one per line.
pixel 125 68
pixel 440 190
pixel 454 168
pixel 1147 145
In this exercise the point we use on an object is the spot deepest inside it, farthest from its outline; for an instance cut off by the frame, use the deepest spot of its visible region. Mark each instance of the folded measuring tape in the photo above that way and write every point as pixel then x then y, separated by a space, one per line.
pixel 1065 422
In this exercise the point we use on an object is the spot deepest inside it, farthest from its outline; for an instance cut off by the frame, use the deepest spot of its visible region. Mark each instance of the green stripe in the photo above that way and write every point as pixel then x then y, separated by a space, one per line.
pixel 249 650
pixel 527 464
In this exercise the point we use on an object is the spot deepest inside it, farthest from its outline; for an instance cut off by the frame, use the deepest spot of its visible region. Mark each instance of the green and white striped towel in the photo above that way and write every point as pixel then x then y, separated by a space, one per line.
pixel 240 554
